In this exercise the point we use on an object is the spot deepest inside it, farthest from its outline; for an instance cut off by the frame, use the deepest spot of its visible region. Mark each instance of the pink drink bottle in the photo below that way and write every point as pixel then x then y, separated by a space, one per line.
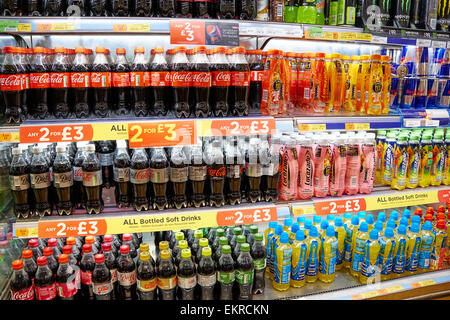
pixel 305 169
pixel 338 166
pixel 322 167
pixel 289 170
pixel 368 161
pixel 353 166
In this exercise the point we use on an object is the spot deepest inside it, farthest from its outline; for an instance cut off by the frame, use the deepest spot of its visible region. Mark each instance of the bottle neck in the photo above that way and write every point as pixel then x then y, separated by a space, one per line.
pixel 121 59
pixel 80 58
pixel 9 59
pixel 139 58
pixel 159 59
pixel 180 57
pixel 59 59
pixel 100 58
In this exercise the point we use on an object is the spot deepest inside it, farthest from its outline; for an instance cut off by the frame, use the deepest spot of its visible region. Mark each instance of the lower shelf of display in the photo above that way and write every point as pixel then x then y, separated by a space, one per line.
pixel 341 285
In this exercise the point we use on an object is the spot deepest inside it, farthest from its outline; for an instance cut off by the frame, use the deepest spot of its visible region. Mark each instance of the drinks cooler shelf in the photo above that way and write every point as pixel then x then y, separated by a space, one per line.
pixel 161 26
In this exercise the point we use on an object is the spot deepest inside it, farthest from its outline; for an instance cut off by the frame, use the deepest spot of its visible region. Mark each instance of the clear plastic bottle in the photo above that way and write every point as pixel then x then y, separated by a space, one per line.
pixel 245 273
pixel 358 249
pixel 283 254
pixel 167 277
pixel 426 247
pixel 313 256
pixel 327 264
pixel 340 235
pixel 186 276
pixel 225 273
pixel 369 268
pixel 400 253
pixel 206 275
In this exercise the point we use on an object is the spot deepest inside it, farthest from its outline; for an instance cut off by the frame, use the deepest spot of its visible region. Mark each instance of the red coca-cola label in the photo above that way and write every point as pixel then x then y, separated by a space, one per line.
pixel 39 80
pixel 11 82
pixel 220 172
pixel 60 80
pixel 181 78
pixel 121 79
pixel 46 293
pixel 221 78
pixel 160 79
pixel 240 78
pixel 25 81
pixel 201 79
pixel 80 79
pixel 67 290
pixel 25 294
pixel 101 79
pixel 140 79
pixel 86 277
pixel 256 76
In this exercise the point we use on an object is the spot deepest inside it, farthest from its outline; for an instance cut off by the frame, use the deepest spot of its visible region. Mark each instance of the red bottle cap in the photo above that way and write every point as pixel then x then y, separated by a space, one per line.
pixel 124 249
pixel 41 261
pixel 100 50
pixel 87 248
pixel 17 264
pixel 418 212
pixel 108 238
pixel 441 209
pixel 52 242
pixel 441 224
pixel 99 258
pixel 89 239
pixel 33 243
pixel 440 215
pixel 106 246
pixel 126 237
pixel 27 253
pixel 430 210
pixel 63 258
pixel 121 51
pixel 48 251
pixel 71 240
pixel 429 217
pixel 67 249
pixel 139 50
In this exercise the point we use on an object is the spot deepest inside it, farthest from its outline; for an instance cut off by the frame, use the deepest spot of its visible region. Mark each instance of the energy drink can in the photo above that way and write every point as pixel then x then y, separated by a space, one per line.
pixel 438 60
pixel 409 92
pixel 394 92
pixel 432 92
pixel 402 13
pixel 424 13
pixel 407 57
pixel 444 93
pixel 350 12
pixel 385 7
pixel 420 98
pixel 421 61
pixel 443 15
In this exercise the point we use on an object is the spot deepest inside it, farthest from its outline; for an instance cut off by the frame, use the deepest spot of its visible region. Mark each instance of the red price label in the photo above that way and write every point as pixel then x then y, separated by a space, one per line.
pixel 162 134
pixel 52 229
pixel 187 32
pixel 444 195
pixel 340 206
pixel 242 127
pixel 60 133
pixel 246 216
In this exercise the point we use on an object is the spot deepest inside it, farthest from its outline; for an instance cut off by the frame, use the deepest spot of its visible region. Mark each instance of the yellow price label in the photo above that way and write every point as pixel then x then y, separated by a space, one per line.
pixel 299 211
pixel 393 289
pixel 357 126
pixel 370 294
pixel 347 36
pixel 24 27
pixel 15 137
pixel 5 136
pixel 364 37
pixel 120 28
pixel 143 27
pixel 312 127
pixel 66 26
pixel 330 35
pixel 110 131
pixel 424 283
pixel 21 233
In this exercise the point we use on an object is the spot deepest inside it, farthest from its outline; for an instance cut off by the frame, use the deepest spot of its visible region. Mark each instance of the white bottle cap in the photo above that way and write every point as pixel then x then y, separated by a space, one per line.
pixel 16 151
pixel 90 148
pixel 37 149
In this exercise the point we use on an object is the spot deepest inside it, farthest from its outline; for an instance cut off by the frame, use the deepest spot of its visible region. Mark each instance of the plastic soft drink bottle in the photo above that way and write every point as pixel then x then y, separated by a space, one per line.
pixel 351 229
pixel 440 244
pixel 186 276
pixel 167 280
pixel 370 222
pixel 362 235
pixel 400 254
pixel 159 176
pixel 66 281
pixel 101 83
pixel 235 163
pixel 60 83
pixel 44 282
pixel 178 175
pixel 63 181
pixel 323 229
pixel 87 265
pixel 320 83
pixel 206 275
pixel 313 255
pixel 338 166
pixel 19 180
pixel 327 264
pixel 268 235
pixel 181 77
pixel 92 181
pixel 40 182
pixel 369 268
pixel 368 162
pixel 245 273
pixel 282 264
pixel 140 83
pixel 426 247
pixel 214 158
pixel 426 159
pixel 160 84
pixel 201 82
pixel 340 235
pixel 306 168
pixel 388 246
pixel 240 83
pixel 299 256
pixel 121 83
pixel 121 173
pixel 274 241
pixel 289 170
pixel 322 167
pixel 146 278
pixel 413 249
pixel 258 254
pixel 225 273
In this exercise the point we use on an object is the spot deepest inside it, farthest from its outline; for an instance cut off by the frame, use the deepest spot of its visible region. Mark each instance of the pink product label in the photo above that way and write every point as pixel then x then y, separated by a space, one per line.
pixel 306 173
pixel 127 279
pixel 67 290
pixel 46 293
pixel 353 170
pixel 289 175
pixel 102 288
pixel 337 173
pixel 86 277
pixel 368 160
pixel 26 294
pixel 322 167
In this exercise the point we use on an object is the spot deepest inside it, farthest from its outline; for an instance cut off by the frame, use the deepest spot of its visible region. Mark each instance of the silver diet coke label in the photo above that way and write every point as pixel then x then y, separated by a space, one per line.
pixel 159 175
pixel 197 173
pixel 179 174
pixel 63 180
pixel 18 183
pixel 78 174
pixel 106 159
pixel 139 176
pixel 40 180
pixel 121 174
pixel 92 179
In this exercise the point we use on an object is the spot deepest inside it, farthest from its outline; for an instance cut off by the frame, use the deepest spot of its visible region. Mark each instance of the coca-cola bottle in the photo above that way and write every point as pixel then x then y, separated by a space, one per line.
pixel 270 160
pixel 140 81
pixel 19 182
pixel 39 84
pixel 183 8
pixel 40 182
pixel 178 173
pixel 235 166
pixel 102 285
pixel 92 181
pixel 52 243
pixel 51 260
pixel 166 8
pixel 60 84
pixel 227 9
pixel 126 272
pixel 256 77
pixel 71 242
pixel 146 277
pixel 202 9
pixel 221 81
pixel 201 82
pixel 78 8
pixel 66 279
pixel 127 239
pixel 63 181
pixel 197 177
pixel 23 65
pixel 12 87
pixel 44 281
pixel 79 193
pixel 253 171
pixel 119 8
pixel 101 83
pixel 142 8
pixel 111 263
pixel 87 265
pixel 240 83
pixel 80 82
pixel 21 286
pixel 121 170
pixel 105 151
pixel 181 77
pixel 159 176
pixel 139 177
pixel 121 83
pixel 55 8
pixel 160 83
pixel 29 262
pixel 94 242
pixel 99 8
pixel 12 8
pixel 216 173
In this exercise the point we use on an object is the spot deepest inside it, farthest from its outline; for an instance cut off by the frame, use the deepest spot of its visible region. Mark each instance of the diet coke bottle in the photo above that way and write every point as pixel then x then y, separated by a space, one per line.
pixel 227 9
pixel 63 181
pixel 221 81
pixel 101 83
pixel 181 77
pixel 126 272
pixel 121 83
pixel 119 8
pixel 235 166
pixel 202 9
pixel 201 82
pixel 92 181
pixel 139 177
pixel 160 83
pixel 197 177
pixel 121 170
pixel 19 181
pixel 60 84
pixel 39 84
pixel 79 193
pixel 105 151
pixel 179 170
pixel 217 172
pixel 21 286
pixel 40 182
pixel 165 8
pixel 111 264
pixel 80 82
pixel 44 282
pixel 159 176
pixel 240 83
pixel 140 81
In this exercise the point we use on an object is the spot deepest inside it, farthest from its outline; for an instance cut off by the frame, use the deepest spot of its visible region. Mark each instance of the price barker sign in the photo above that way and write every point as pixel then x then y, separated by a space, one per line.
pixel 246 216
pixel 88 227
pixel 187 32
pixel 56 133
pixel 340 206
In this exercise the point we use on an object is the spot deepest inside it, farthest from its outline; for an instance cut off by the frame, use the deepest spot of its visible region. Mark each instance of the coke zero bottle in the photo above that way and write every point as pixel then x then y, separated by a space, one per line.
pixel 21 285
pixel 12 87
pixel 201 82
pixel 227 9
pixel 66 279
pixel 60 84
pixel 221 81
pixel 40 182
pixel 160 83
pixel 142 8
pixel 166 8
pixel 92 181
pixel 140 81
pixel 111 263
pixel 79 192
pixel 121 83
pixel 80 82
pixel 102 286
pixel 126 272
pixel 139 177
pixel 63 181
pixel 146 278
pixel 101 83
pixel 105 151
pixel 119 8
pixel 240 83
pixel 29 262
pixel 159 176
pixel 178 173
pixel 51 260
pixel 121 170
pixel 39 84
pixel 44 282
pixel 87 265
pixel 235 166
pixel 202 9
pixel 183 8
pixel 19 181
pixel 256 77
pixel 216 173
pixel 181 77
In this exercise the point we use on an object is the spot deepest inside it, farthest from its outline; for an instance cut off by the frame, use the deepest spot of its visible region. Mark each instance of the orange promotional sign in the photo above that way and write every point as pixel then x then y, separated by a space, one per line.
pixel 57 133
pixel 88 227
pixel 444 195
pixel 246 216
pixel 340 206
pixel 242 127
pixel 162 134
pixel 187 32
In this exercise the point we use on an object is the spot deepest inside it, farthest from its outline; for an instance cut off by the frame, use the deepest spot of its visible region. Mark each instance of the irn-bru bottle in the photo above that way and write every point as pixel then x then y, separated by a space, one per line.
pixel 375 99
pixel 282 263
pixel 339 85
pixel 351 83
pixel 369 268
pixel 274 241
pixel 386 254
pixel 386 93
pixel 320 83
pixel 351 230
pixel 426 160
pixel 340 236
pixel 400 253
pixel 413 249
pixel 362 235
pixel 437 168
pixel 299 254
pixel 362 83
pixel 426 247
pixel 440 245
pixel 312 260
pixel 412 171
pixel 327 264
pixel 400 163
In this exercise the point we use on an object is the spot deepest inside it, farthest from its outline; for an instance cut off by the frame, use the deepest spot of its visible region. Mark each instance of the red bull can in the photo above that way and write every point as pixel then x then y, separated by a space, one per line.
pixel 420 97
pixel 421 61
pixel 394 92
pixel 407 57
pixel 432 92
pixel 409 92
pixel 444 93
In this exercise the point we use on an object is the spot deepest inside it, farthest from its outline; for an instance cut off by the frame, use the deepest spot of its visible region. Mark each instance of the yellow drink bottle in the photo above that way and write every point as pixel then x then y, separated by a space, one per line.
pixel 387 162
pixel 350 101
pixel 400 165
pixel 301 222
pixel 346 62
pixel 312 261
pixel 299 254
pixel 362 83
pixel 382 218
pixel 294 228
pixel 327 263
pixel 379 227
pixel 387 77
pixel 270 231
pixel 426 247
pixel 440 244
pixel 412 172
pixel 330 69
pixel 347 219
pixel 446 173
pixel 273 247
pixel 362 235
pixel 339 85
pixel 437 168
pixel 381 140
pixel 375 100
pixel 316 221
pixel 413 249
pixel 401 239
pixel 282 263
pixel 349 242
pixel 447 251
pixel 323 229
pixel 370 222
pixel 369 269
pixel 308 225
pixel 287 224
pixel 426 160
pixel 340 236
pixel 388 247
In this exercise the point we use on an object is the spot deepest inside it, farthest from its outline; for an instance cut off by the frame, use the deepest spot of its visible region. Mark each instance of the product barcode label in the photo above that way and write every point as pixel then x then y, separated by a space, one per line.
pixel 353 181
pixel 306 93
pixel 280 10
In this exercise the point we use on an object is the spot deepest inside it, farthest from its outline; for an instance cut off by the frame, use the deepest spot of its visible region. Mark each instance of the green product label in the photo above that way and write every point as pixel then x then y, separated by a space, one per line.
pixel 333 20
pixel 225 277
pixel 8 25
pixel 350 19
pixel 244 277
pixel 259 264
pixel 341 12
